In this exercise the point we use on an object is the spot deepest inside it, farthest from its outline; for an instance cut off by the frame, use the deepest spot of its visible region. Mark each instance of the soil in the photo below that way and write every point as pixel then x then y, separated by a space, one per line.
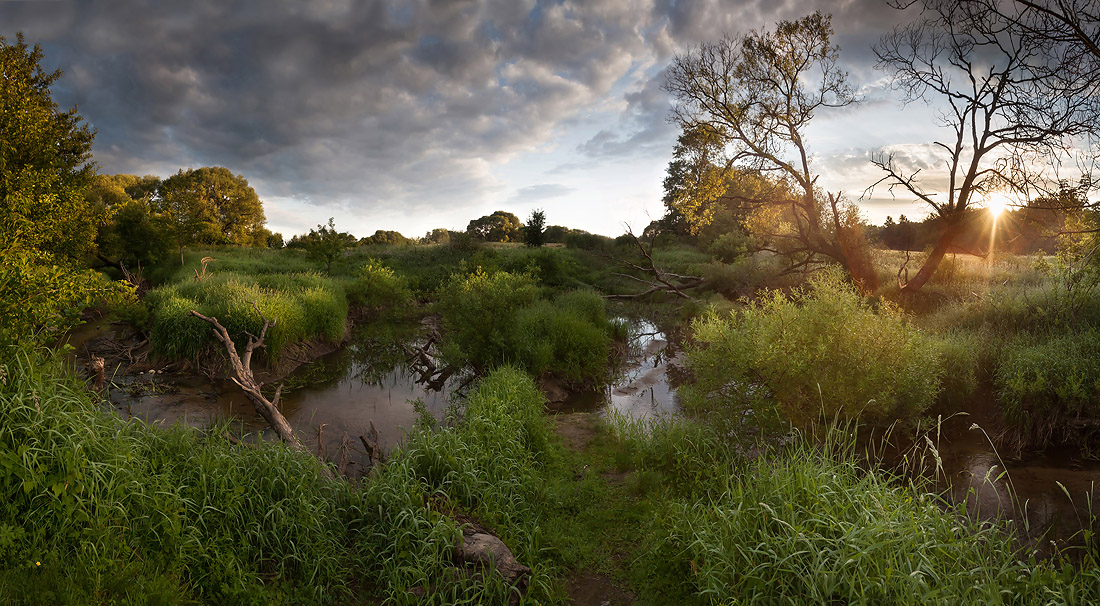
pixel 593 589
pixel 578 429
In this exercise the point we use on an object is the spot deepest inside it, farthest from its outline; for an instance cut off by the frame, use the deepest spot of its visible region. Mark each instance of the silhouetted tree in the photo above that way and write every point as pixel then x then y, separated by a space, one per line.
pixel 534 231
pixel 1016 103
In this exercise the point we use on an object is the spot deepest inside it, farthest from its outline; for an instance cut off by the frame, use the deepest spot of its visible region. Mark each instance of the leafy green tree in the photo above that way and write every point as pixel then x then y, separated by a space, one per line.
pixel 210 205
pixel 324 244
pixel 501 226
pixel 131 232
pixel 746 102
pixel 438 235
pixel 534 234
pixel 382 236
pixel 45 160
pixel 46 223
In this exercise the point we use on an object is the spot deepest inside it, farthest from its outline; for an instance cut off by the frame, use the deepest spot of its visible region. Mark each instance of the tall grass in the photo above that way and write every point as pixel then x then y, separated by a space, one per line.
pixel 806 524
pixel 306 306
pixel 96 510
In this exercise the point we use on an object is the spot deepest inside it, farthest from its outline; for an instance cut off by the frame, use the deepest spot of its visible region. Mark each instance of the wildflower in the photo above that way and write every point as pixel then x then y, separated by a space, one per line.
pixel 38 563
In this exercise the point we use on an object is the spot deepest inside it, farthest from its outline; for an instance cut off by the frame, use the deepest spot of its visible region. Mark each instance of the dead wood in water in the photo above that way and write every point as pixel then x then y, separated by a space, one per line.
pixel 374 451
pixel 243 378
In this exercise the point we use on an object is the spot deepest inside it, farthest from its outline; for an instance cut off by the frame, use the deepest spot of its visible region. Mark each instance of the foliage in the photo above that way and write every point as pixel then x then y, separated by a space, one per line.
pixel 820 352
pixel 744 105
pixel 1047 382
pixel 496 318
pixel 133 232
pixel 534 232
pixel 45 160
pixel 377 290
pixel 109 511
pixel 386 238
pixel 478 313
pixel 501 226
pixel 438 235
pixel 40 296
pixel 567 338
pixel 306 306
pixel 807 525
pixel 210 205
pixel 324 244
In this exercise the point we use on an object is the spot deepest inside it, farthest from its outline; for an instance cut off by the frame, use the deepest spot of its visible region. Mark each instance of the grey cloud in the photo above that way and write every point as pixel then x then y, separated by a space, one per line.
pixel 389 105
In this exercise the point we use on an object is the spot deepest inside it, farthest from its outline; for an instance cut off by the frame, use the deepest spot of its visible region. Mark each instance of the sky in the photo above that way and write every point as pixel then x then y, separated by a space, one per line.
pixel 413 115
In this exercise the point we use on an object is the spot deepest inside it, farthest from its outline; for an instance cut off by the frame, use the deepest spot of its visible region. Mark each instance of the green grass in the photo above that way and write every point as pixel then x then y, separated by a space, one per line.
pixel 305 306
pixel 806 524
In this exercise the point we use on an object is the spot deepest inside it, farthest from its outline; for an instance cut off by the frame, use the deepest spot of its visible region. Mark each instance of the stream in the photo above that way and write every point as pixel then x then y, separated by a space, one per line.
pixel 371 381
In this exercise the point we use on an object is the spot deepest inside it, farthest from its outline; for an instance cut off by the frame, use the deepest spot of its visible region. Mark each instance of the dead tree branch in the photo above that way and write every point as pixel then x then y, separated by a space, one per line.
pixel 660 280
pixel 243 378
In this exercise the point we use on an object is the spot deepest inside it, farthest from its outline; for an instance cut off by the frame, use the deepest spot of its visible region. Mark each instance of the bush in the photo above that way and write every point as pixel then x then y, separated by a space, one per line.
pixel 567 338
pixel 378 291
pixel 819 352
pixel 496 318
pixel 479 313
pixel 306 306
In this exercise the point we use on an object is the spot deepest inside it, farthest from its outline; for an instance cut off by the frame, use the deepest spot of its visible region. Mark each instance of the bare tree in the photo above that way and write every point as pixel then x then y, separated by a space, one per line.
pixel 1016 105
pixel 751 97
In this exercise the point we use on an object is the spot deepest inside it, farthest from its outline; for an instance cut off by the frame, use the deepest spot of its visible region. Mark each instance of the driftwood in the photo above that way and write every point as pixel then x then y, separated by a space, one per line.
pixel 243 378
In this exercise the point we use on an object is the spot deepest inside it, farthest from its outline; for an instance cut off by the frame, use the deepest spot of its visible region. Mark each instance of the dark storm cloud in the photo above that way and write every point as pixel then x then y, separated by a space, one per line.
pixel 381 104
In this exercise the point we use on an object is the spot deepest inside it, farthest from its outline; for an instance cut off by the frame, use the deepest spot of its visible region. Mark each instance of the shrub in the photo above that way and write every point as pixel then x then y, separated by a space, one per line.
pixel 478 313
pixel 377 290
pixel 496 318
pixel 819 352
pixel 567 338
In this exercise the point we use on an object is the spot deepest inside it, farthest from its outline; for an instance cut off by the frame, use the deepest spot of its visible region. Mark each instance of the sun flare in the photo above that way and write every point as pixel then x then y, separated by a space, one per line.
pixel 997 204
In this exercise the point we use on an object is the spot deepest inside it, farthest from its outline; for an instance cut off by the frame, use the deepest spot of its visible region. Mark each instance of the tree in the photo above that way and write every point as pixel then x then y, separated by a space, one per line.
pixel 745 102
pixel 1015 104
pixel 45 160
pixel 387 237
pixel 500 226
pixel 324 244
pixel 210 205
pixel 46 223
pixel 438 235
pixel 131 233
pixel 534 232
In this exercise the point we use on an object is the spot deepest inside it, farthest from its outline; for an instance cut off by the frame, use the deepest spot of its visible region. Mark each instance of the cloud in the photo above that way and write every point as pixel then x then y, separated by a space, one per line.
pixel 535 193
pixel 383 107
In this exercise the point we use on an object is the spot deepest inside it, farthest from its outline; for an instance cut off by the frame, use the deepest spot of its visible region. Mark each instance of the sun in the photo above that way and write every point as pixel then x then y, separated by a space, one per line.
pixel 997 204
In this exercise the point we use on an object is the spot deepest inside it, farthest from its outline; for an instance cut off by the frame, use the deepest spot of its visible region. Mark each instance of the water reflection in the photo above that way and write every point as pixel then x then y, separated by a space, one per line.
pixel 643 382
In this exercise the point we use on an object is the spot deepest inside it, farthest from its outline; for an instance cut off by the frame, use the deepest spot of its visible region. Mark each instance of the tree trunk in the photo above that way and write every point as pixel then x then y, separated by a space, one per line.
pixel 933 261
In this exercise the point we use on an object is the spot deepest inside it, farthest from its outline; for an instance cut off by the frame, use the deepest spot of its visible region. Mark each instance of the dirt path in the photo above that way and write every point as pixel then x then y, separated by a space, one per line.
pixel 579 431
